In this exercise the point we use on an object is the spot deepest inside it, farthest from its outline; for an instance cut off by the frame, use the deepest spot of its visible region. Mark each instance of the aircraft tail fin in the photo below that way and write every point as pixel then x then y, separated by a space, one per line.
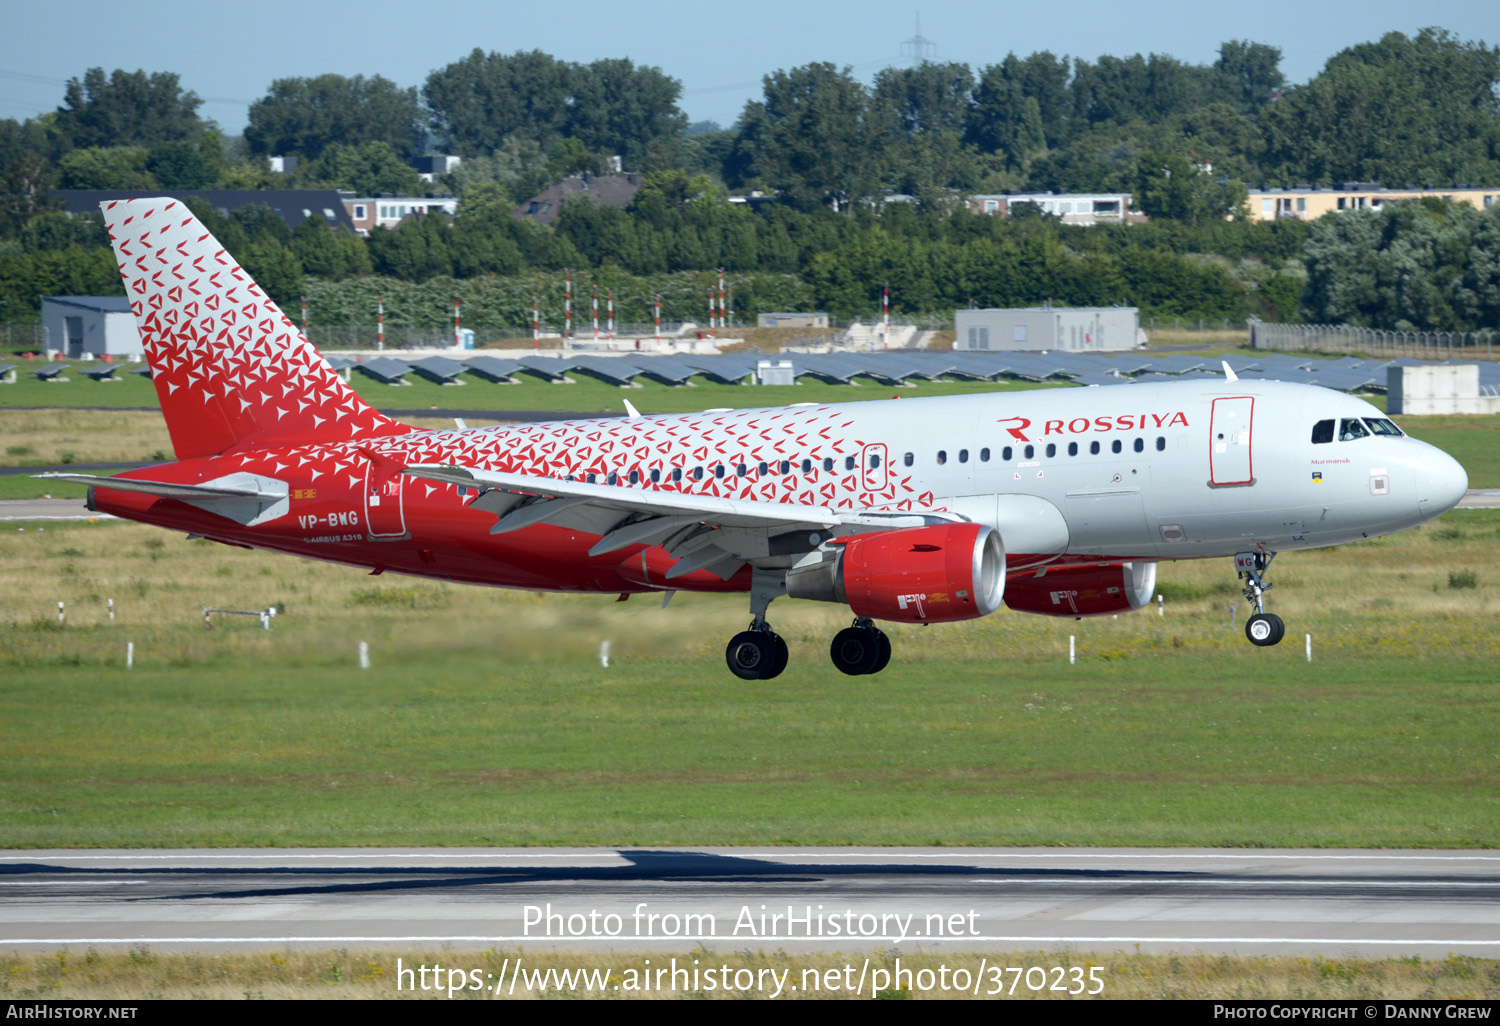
pixel 230 369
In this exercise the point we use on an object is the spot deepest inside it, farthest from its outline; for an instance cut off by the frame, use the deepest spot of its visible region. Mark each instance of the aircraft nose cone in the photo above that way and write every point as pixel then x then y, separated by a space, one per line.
pixel 1443 482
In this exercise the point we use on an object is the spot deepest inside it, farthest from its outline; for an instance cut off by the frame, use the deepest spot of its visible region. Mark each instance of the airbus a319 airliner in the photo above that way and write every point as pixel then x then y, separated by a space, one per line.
pixel 1059 502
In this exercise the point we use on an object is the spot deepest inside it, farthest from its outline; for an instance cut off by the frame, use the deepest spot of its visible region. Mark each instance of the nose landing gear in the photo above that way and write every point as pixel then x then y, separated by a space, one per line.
pixel 1262 628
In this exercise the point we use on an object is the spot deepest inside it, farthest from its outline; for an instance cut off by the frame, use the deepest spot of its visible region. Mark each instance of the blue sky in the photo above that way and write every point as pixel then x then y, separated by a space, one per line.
pixel 229 54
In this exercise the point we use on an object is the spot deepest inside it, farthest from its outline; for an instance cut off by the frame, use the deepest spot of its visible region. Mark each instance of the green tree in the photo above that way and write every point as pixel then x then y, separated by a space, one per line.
pixel 106 167
pixel 476 102
pixel 814 138
pixel 1250 73
pixel 367 169
pixel 305 116
pixel 182 165
pixel 128 108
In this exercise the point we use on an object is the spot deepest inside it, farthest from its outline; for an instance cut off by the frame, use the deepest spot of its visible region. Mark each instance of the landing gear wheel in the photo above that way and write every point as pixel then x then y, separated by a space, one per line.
pixel 781 655
pixel 752 655
pixel 856 650
pixel 1264 629
pixel 885 650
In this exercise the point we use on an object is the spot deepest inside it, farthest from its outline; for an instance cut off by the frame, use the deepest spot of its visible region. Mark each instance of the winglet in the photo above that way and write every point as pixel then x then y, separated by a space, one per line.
pixel 1229 374
pixel 631 411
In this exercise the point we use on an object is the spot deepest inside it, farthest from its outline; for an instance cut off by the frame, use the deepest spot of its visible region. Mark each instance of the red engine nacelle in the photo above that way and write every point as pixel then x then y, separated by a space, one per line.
pixel 1083 590
pixel 928 574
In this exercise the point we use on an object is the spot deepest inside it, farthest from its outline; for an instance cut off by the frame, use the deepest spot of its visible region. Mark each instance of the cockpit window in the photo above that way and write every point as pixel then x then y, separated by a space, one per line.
pixel 1381 426
pixel 1350 428
pixel 1322 432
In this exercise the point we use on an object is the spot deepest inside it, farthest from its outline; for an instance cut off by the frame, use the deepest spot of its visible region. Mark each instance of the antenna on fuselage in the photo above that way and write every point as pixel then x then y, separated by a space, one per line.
pixel 1229 374
pixel 631 411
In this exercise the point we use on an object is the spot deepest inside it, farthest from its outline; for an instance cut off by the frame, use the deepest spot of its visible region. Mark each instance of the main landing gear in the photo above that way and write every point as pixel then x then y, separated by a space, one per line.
pixel 1262 628
pixel 860 649
pixel 759 653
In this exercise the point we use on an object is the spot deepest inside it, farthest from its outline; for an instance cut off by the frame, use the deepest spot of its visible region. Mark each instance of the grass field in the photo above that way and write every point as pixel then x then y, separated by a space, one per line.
pixel 345 975
pixel 487 718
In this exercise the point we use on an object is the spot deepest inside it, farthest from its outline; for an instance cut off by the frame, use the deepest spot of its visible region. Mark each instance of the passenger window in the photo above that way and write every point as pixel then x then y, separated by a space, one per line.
pixel 874 460
pixel 655 475
pixel 963 455
pixel 635 477
pixel 1072 448
pixel 1322 432
pixel 1093 448
pixel 719 471
pixel 1030 452
pixel 984 455
pixel 741 470
pixel 807 466
pixel 613 478
pixel 1007 453
pixel 1140 445
pixel 697 473
pixel 828 465
pixel 589 478
pixel 1051 450
pixel 1350 428
pixel 1161 444
pixel 908 459
pixel 676 473
pixel 849 462
pixel 786 466
pixel 1115 446
pixel 942 456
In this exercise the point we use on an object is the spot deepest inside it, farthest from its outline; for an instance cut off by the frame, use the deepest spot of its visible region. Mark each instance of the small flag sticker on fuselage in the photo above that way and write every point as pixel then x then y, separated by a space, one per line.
pixel 1317 475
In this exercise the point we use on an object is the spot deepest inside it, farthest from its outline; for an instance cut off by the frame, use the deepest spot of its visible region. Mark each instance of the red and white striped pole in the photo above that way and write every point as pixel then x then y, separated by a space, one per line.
pixel 536 322
pixel 380 323
pixel 596 313
pixel 611 300
pixel 458 338
pixel 657 316
pixel 710 313
pixel 723 323
pixel 885 313
pixel 567 308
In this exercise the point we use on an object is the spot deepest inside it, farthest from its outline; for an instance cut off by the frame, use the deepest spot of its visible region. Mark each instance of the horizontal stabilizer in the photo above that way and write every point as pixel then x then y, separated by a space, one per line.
pixel 163 489
pixel 248 499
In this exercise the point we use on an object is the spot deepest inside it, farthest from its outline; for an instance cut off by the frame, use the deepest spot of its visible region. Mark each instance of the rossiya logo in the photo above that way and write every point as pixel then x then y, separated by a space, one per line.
pixel 1079 425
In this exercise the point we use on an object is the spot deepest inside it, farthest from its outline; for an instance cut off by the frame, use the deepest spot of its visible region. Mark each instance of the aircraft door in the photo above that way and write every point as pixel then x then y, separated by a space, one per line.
pixel 873 472
pixel 1229 452
pixel 385 515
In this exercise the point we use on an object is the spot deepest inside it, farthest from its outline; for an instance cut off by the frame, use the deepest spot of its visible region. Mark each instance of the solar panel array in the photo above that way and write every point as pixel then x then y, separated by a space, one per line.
pixel 895 367
pixel 905 366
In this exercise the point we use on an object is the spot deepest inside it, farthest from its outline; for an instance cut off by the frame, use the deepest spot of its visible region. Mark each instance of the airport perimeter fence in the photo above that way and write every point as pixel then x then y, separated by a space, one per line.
pixel 21 336
pixel 1375 343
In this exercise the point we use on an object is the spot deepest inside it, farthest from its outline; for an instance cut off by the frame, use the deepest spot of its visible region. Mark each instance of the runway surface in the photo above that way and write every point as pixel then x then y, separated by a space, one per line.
pixel 1334 903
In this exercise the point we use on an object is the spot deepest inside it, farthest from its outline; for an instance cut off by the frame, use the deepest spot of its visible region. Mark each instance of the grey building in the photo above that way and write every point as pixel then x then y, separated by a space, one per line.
pixel 1071 329
pixel 79 326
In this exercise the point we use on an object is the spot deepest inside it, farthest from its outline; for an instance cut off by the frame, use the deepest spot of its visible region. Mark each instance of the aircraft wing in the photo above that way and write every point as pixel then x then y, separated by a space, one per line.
pixel 703 532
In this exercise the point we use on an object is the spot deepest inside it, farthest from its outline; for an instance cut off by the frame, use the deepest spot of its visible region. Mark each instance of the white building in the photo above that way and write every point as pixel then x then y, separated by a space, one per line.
pixel 1072 329
pixel 79 326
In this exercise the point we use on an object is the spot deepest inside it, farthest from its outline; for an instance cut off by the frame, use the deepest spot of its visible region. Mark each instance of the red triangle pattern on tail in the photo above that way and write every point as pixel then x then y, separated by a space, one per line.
pixel 231 370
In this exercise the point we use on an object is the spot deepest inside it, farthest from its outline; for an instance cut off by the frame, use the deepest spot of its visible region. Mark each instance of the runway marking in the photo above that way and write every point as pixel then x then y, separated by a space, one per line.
pixel 70 883
pixel 533 939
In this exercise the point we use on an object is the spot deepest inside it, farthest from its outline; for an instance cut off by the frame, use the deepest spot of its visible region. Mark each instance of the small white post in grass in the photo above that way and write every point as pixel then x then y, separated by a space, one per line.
pixel 1071 649
pixel 364 655
pixel 111 610
pixel 59 614
pixel 129 654
pixel 604 654
pixel 1160 609
pixel 1231 616
pixel 1309 648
